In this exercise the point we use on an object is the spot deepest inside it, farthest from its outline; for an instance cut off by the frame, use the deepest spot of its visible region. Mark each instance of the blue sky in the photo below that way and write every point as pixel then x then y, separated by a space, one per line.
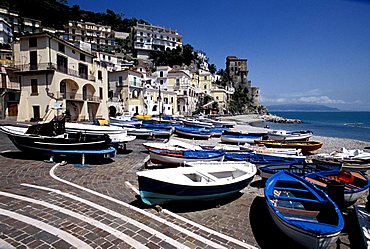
pixel 298 51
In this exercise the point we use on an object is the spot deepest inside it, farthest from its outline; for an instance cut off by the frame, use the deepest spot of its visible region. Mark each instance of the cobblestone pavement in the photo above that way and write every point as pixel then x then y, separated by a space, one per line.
pixel 49 205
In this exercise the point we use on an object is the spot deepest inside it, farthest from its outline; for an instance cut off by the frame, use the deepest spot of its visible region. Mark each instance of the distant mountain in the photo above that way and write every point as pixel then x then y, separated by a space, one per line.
pixel 302 107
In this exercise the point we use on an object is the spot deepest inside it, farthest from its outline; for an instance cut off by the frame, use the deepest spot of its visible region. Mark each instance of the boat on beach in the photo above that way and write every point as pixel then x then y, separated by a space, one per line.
pixel 118 135
pixel 234 137
pixel 171 144
pixel 203 181
pixel 193 132
pixel 355 183
pixel 289 135
pixel 258 158
pixel 300 169
pixel 303 212
pixel 50 138
pixel 305 146
pixel 197 123
pixel 179 157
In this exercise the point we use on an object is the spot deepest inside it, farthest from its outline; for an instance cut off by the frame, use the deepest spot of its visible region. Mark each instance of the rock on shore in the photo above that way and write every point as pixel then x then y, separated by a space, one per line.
pixel 278 119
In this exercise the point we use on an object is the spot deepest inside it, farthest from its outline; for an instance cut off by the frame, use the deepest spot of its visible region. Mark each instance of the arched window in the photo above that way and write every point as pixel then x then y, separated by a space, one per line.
pixel 154 108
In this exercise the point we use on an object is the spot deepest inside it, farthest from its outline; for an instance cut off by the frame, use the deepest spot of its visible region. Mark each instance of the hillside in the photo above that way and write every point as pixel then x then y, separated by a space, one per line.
pixel 302 107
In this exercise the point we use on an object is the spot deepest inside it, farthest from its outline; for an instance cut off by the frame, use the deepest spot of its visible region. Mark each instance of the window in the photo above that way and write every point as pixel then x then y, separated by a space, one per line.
pixel 161 82
pixel 36 112
pixel 205 87
pixel 100 75
pixel 33 60
pixel 33 42
pixel 166 100
pixel 183 108
pixel 34 90
pixel 82 70
pixel 217 97
pixel 100 92
pixel 171 100
pixel 177 82
pixel 161 74
pixel 110 94
pixel 61 47
pixel 205 77
pixel 82 57
pixel 134 81
pixel 62 87
pixel 185 93
pixel 3 80
pixel 120 80
pixel 62 64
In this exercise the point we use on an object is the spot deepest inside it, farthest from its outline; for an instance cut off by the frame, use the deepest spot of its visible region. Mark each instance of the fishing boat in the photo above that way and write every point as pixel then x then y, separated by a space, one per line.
pixel 118 135
pixel 240 138
pixel 178 157
pixel 218 123
pixel 51 138
pixel 124 121
pixel 200 182
pixel 355 159
pixel 258 158
pixel 300 169
pixel 355 183
pixel 193 132
pixel 305 146
pixel 197 123
pixel 260 148
pixel 171 144
pixel 303 212
pixel 289 135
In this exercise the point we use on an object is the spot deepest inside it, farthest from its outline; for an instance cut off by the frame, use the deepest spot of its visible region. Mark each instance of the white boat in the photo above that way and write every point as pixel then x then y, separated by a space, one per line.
pixel 343 153
pixel 196 123
pixel 116 134
pixel 139 132
pixel 289 135
pixel 172 144
pixel 260 148
pixel 198 183
pixel 179 157
pixel 125 121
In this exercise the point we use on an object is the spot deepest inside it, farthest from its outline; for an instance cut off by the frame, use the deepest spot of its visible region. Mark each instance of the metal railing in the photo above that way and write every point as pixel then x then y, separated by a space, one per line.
pixel 58 68
pixel 76 96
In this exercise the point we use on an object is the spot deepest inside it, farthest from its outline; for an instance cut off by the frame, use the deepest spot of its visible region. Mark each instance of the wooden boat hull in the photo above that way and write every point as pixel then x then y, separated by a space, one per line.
pixel 305 146
pixel 302 212
pixel 222 182
pixel 175 158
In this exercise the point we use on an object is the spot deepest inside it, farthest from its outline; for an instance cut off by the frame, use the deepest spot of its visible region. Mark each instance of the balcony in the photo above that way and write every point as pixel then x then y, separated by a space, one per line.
pixel 70 96
pixel 78 97
pixel 11 85
pixel 54 67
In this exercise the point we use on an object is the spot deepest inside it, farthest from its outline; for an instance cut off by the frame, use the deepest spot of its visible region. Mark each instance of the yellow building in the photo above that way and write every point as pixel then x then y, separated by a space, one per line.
pixel 57 77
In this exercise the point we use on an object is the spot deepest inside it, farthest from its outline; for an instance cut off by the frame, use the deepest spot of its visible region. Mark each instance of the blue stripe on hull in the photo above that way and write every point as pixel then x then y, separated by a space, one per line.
pixel 151 198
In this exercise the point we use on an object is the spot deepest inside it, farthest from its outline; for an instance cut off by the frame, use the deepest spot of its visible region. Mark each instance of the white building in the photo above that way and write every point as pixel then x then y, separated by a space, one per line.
pixel 99 36
pixel 147 38
pixel 55 73
pixel 6 34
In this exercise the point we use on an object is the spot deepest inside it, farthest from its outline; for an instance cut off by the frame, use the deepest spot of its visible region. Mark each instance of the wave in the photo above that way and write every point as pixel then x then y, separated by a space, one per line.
pixel 357 125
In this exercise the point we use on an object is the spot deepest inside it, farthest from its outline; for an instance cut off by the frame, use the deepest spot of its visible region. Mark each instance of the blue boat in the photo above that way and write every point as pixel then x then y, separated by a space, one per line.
pixel 240 138
pixel 193 132
pixel 258 158
pixel 303 212
pixel 179 157
pixel 355 183
pixel 299 169
pixel 198 183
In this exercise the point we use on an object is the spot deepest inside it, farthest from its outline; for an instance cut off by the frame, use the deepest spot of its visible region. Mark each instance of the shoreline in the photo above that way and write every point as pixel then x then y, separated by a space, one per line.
pixel 330 143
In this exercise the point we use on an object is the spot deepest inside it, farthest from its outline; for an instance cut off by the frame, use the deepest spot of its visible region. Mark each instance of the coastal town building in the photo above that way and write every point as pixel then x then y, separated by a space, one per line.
pixel 6 34
pixel 180 82
pixel 147 38
pixel 19 25
pixel 100 37
pixel 10 90
pixel 237 69
pixel 113 62
pixel 57 77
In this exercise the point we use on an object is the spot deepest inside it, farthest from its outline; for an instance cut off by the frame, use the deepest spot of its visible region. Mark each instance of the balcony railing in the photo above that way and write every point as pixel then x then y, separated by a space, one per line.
pixel 52 66
pixel 70 96
pixel 11 85
pixel 76 96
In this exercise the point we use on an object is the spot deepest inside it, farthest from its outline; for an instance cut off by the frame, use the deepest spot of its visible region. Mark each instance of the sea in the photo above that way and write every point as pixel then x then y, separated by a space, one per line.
pixel 353 125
